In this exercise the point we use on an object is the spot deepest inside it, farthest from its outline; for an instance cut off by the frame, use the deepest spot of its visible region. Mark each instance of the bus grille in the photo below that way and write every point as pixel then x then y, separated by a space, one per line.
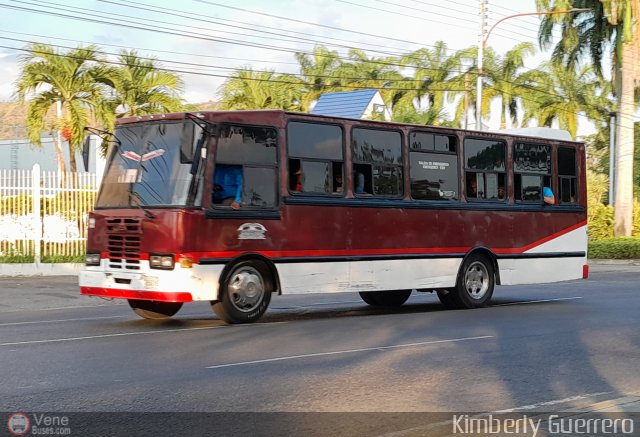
pixel 124 239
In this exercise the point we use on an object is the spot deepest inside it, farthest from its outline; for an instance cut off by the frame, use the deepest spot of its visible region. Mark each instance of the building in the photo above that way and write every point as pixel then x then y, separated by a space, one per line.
pixel 23 155
pixel 364 104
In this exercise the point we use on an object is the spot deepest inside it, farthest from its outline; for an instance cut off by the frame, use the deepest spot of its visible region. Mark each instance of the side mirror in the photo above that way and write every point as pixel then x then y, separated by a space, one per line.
pixel 86 148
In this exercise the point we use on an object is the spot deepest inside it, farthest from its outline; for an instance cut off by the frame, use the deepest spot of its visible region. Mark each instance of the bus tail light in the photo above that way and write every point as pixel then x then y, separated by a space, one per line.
pixel 164 262
pixel 585 271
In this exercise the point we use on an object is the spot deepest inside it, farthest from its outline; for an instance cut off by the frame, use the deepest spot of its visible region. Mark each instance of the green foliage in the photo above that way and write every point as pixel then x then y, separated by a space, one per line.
pixel 615 248
pixel 78 259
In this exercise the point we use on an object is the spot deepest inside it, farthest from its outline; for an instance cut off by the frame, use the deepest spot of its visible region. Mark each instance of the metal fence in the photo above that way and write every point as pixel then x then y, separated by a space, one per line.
pixel 43 215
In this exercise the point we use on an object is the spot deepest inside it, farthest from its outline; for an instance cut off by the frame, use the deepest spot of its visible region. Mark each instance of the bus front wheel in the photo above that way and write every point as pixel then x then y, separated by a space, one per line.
pixel 245 293
pixel 385 298
pixel 154 310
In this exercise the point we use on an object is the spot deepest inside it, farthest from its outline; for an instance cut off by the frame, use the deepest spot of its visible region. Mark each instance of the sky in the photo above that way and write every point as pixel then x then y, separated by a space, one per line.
pixel 205 40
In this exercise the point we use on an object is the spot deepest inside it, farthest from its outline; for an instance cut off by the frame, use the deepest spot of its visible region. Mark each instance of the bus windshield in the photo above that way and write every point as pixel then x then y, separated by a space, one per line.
pixel 151 166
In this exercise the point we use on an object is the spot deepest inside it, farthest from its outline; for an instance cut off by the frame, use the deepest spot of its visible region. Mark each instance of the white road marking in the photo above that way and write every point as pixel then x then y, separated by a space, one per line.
pixel 537 301
pixel 119 334
pixel 554 402
pixel 348 351
pixel 59 320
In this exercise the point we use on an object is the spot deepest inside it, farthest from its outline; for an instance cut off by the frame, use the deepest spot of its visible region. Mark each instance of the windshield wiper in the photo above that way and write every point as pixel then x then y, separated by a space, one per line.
pixel 136 196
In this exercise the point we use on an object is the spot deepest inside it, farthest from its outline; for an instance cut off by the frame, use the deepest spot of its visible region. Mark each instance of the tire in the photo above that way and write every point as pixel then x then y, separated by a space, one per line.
pixel 475 283
pixel 245 292
pixel 154 310
pixel 448 298
pixel 385 298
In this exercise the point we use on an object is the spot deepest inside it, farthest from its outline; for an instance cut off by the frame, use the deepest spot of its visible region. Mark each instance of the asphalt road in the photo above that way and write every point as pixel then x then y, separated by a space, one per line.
pixel 537 348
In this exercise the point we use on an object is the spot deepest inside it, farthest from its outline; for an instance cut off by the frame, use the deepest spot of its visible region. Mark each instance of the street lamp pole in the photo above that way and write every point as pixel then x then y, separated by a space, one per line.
pixel 483 45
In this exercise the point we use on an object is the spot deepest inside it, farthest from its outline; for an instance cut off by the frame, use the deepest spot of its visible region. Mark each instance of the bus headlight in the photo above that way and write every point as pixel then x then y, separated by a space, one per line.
pixel 164 262
pixel 92 259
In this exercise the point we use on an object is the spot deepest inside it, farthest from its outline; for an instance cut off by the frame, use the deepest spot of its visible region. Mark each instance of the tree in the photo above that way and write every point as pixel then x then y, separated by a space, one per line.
pixel 607 24
pixel 506 80
pixel 560 95
pixel 141 88
pixel 435 73
pixel 317 72
pixel 378 73
pixel 64 81
pixel 248 89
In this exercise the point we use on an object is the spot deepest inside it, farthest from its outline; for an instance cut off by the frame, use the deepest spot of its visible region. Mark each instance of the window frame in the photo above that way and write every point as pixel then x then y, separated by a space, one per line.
pixel 436 152
pixel 371 165
pixel 302 159
pixel 573 177
pixel 484 172
pixel 543 177
pixel 274 166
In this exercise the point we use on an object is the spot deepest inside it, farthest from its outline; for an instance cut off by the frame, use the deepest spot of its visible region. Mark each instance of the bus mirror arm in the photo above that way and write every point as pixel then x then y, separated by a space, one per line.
pixel 106 136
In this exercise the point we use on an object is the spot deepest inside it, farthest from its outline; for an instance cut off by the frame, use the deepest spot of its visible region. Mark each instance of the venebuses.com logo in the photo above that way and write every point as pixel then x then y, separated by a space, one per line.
pixel 20 424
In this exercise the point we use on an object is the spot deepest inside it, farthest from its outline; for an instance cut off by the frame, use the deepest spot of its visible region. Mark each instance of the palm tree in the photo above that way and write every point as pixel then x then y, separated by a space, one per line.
pixel 506 80
pixel 378 73
pixel 140 87
pixel 560 95
pixel 70 82
pixel 607 24
pixel 317 72
pixel 248 89
pixel 435 71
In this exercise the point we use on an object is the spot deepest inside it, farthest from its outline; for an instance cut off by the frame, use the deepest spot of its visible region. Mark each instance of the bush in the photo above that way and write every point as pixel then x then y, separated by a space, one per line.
pixel 615 248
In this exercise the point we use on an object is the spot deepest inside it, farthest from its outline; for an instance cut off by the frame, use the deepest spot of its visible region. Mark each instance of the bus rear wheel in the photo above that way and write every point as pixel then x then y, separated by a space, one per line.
pixel 449 299
pixel 475 283
pixel 385 298
pixel 245 293
pixel 154 310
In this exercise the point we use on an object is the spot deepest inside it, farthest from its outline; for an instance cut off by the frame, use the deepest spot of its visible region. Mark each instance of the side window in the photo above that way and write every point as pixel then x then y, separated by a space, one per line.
pixel 377 162
pixel 567 175
pixel 245 173
pixel 531 171
pixel 434 166
pixel 316 162
pixel 485 169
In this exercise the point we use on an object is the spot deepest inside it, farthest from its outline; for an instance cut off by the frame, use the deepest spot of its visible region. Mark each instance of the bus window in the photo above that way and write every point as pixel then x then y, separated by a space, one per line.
pixel 567 175
pixel 434 176
pixel 315 158
pixel 485 169
pixel 245 167
pixel 377 162
pixel 531 171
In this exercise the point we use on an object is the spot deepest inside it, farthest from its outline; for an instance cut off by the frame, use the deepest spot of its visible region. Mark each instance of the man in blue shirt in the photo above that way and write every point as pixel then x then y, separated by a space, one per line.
pixel 548 196
pixel 227 185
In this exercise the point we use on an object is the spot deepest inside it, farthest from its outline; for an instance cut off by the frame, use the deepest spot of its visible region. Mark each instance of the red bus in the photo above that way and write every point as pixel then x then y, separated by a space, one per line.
pixel 234 206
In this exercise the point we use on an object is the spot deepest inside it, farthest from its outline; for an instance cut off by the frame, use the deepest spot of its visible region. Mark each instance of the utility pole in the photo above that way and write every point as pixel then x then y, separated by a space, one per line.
pixel 484 6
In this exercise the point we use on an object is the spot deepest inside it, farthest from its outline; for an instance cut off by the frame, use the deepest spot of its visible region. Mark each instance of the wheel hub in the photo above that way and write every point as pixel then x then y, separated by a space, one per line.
pixel 246 289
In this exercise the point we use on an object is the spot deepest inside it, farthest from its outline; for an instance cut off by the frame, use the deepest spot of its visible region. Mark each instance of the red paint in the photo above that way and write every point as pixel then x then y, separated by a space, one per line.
pixel 160 296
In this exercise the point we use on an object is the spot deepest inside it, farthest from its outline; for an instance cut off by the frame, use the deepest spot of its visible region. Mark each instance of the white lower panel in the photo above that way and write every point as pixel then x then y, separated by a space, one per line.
pixel 201 280
pixel 332 277
pixel 539 270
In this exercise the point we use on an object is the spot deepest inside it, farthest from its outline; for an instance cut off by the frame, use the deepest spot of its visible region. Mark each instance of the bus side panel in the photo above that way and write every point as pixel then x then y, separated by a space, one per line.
pixel 567 264
pixel 378 275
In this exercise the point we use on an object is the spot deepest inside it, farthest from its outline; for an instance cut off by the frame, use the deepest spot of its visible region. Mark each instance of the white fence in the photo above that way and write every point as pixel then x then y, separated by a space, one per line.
pixel 43 215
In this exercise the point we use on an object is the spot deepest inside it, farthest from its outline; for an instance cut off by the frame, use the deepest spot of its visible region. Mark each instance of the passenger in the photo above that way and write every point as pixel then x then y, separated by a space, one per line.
pixel 358 179
pixel 338 184
pixel 500 192
pixel 227 185
pixel 548 196
pixel 473 188
pixel 298 186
